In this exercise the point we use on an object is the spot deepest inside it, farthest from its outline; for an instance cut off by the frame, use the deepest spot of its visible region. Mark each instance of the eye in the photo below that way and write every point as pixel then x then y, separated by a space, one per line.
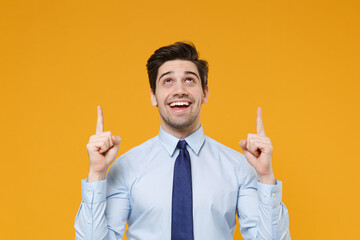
pixel 189 80
pixel 167 81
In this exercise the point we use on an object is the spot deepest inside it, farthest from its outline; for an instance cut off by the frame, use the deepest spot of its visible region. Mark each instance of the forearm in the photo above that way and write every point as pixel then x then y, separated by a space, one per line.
pixel 91 222
pixel 273 215
pixel 262 215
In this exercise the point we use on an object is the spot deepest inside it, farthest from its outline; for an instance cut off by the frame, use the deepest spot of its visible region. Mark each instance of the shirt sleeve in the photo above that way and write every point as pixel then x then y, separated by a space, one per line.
pixel 104 208
pixel 273 215
pixel 261 213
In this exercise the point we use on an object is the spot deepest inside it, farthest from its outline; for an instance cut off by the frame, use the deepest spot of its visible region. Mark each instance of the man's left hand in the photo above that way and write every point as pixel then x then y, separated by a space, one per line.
pixel 257 149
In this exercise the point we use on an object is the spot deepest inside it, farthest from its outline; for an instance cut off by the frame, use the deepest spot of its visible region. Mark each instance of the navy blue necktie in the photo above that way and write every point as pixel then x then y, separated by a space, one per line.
pixel 182 213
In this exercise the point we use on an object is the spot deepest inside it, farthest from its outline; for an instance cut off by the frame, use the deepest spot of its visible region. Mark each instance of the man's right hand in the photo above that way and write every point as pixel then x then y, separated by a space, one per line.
pixel 102 149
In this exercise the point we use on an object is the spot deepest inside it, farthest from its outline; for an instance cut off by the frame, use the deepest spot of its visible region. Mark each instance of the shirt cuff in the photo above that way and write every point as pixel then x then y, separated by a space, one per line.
pixel 93 192
pixel 270 195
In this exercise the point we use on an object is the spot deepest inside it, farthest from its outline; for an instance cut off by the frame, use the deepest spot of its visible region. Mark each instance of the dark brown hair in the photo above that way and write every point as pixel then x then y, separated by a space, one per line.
pixel 178 50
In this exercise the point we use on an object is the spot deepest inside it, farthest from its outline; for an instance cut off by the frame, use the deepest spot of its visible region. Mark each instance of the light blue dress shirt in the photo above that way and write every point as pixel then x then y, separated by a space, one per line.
pixel 138 190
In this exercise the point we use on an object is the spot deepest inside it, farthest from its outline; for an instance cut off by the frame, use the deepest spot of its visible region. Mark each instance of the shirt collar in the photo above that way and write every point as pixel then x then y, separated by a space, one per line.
pixel 195 141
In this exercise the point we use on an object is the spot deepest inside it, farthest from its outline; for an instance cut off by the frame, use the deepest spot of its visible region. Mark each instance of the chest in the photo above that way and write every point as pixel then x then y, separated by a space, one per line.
pixel 214 186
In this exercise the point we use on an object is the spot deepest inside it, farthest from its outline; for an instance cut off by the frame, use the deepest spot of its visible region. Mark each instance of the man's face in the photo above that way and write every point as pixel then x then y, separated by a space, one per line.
pixel 179 95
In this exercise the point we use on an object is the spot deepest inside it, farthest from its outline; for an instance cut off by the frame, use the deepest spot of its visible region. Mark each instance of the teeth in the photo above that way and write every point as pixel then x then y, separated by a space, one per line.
pixel 179 104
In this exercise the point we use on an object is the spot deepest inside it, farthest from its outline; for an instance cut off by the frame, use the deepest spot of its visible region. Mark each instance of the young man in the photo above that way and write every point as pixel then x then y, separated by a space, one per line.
pixel 181 184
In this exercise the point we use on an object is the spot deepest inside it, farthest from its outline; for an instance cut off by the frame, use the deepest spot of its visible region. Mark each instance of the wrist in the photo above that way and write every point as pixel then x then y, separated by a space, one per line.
pixel 267 179
pixel 96 177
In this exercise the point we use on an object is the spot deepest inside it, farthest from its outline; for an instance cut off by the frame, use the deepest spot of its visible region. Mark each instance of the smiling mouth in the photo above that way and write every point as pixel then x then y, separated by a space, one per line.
pixel 179 105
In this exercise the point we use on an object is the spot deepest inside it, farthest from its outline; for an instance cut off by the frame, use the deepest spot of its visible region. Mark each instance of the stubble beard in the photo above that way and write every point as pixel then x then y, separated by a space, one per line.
pixel 179 125
pixel 172 122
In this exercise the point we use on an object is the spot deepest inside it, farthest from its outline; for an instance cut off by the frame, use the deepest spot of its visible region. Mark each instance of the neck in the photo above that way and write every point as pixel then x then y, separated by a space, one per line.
pixel 180 133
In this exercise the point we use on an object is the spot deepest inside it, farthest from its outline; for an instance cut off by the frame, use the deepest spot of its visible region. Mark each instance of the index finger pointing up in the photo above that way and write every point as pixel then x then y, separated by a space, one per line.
pixel 100 121
pixel 259 123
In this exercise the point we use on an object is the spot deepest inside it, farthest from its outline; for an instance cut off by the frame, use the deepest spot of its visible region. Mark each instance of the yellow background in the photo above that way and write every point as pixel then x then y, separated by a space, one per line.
pixel 299 60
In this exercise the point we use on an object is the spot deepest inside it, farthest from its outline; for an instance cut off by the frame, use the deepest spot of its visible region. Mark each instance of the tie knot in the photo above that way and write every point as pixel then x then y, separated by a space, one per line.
pixel 181 144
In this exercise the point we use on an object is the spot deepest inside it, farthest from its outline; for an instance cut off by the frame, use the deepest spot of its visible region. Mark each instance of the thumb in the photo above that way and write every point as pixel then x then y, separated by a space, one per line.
pixel 243 144
pixel 248 155
pixel 116 140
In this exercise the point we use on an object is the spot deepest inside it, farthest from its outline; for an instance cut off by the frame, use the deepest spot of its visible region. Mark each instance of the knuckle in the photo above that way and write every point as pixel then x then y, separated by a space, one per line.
pixel 100 135
pixel 89 146
pixel 251 135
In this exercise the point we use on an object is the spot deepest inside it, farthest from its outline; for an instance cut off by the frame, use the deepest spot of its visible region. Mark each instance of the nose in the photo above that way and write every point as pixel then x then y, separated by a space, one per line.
pixel 180 88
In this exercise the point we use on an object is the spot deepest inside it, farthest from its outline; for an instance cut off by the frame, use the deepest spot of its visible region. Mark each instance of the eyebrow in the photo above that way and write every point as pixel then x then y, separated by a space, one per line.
pixel 186 72
pixel 167 73
pixel 192 73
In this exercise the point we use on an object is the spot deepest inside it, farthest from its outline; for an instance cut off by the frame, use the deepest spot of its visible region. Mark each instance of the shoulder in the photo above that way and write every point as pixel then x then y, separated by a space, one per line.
pixel 136 155
pixel 213 144
pixel 224 152
pixel 140 150
pixel 142 147
pixel 230 158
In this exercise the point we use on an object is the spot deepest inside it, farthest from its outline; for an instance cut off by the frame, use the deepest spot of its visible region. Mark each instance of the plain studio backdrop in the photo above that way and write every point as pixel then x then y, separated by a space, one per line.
pixel 298 60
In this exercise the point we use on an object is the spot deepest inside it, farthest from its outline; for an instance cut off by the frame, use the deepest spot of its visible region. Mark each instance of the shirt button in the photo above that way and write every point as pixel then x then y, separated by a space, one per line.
pixel 88 221
pixel 98 191
pixel 265 195
pixel 89 193
pixel 273 194
pixel 274 222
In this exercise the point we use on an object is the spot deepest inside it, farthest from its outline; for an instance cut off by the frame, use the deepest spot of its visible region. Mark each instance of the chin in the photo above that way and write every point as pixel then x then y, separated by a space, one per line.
pixel 179 125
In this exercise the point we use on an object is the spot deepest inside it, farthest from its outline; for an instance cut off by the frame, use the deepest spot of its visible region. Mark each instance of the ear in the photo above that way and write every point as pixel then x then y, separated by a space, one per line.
pixel 153 98
pixel 206 95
